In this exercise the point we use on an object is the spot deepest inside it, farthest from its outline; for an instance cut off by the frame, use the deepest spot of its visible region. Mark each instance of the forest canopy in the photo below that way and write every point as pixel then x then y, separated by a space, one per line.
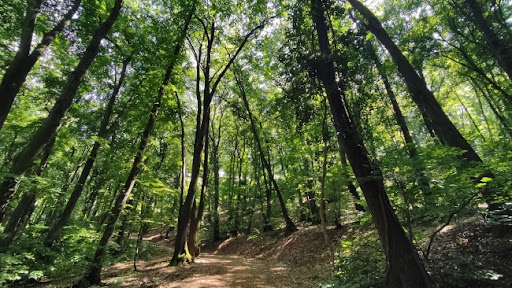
pixel 219 118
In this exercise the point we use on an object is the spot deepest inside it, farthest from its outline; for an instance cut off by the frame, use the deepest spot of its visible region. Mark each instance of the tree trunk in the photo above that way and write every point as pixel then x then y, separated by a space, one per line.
pixel 93 276
pixel 201 124
pixel 421 95
pixel 498 47
pixel 23 62
pixel 183 172
pixel 22 212
pixel 197 212
pixel 423 180
pixel 350 186
pixel 53 122
pixel 216 178
pixel 404 268
pixel 187 207
pixel 180 254
pixel 325 151
pixel 53 234
pixel 290 226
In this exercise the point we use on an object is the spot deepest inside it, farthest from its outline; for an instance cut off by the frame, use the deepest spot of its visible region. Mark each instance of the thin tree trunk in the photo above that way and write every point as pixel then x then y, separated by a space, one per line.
pixel 53 122
pixel 268 199
pixel 423 180
pixel 471 65
pixel 56 210
pixel 216 177
pixel 53 234
pixel 183 172
pixel 201 124
pixel 323 221
pixel 23 62
pixel 498 47
pixel 22 212
pixel 231 179
pixel 497 114
pixel 404 268
pixel 350 186
pixel 93 276
pixel 290 226
pixel 469 115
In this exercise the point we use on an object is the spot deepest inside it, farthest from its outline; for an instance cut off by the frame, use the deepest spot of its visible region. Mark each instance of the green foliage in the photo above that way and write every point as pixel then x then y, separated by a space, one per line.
pixel 14 267
pixel 360 263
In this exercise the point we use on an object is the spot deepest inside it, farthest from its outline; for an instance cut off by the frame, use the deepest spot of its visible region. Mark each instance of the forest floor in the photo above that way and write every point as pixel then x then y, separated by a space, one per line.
pixel 465 254
pixel 268 260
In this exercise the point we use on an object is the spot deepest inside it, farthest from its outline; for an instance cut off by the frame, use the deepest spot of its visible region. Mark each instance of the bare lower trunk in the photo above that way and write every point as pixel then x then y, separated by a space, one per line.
pixel 197 213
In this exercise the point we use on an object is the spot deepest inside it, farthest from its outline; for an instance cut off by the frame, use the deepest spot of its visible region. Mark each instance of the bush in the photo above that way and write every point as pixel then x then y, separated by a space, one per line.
pixel 360 263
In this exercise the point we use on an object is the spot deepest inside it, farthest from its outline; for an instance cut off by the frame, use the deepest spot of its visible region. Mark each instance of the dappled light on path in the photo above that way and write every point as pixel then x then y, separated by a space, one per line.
pixel 209 270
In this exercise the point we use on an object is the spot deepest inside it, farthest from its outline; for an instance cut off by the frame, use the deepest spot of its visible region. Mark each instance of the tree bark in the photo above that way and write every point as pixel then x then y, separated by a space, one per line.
pixel 403 268
pixel 197 212
pixel 53 234
pixel 17 72
pixel 53 122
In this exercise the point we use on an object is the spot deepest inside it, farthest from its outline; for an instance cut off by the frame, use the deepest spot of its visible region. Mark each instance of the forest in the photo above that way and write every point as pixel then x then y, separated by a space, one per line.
pixel 380 129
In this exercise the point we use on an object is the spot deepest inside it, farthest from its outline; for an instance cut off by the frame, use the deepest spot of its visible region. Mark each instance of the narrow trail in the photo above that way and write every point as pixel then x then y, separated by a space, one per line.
pixel 209 270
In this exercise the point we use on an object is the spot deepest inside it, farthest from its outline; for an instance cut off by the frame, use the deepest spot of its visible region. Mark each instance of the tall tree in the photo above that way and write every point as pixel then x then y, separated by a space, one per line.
pixel 84 175
pixel 430 109
pixel 290 226
pixel 215 136
pixel 23 161
pixel 499 47
pixel 93 275
pixel 403 266
pixel 202 120
pixel 17 72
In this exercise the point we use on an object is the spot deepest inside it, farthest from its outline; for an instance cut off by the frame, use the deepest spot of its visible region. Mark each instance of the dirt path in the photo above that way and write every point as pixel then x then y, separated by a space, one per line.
pixel 209 270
